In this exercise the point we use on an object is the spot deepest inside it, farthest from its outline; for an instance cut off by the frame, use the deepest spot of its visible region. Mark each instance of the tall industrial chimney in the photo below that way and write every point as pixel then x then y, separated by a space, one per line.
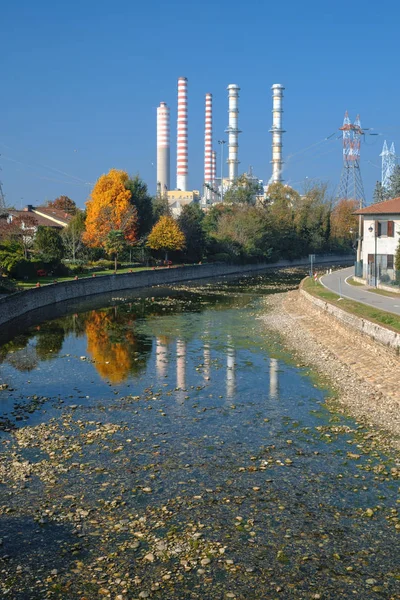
pixel 233 131
pixel 163 149
pixel 214 167
pixel 208 145
pixel 277 131
pixel 182 137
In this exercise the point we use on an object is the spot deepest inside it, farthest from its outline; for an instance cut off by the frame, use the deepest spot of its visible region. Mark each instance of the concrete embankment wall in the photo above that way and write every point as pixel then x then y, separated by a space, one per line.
pixel 16 305
pixel 379 334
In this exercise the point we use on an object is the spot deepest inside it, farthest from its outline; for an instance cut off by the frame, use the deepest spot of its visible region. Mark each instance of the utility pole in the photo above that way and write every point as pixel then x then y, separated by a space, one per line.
pixel 2 200
pixel 221 143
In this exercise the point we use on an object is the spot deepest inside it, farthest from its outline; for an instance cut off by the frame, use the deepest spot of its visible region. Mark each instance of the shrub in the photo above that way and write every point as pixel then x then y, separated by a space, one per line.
pixel 103 264
pixel 76 269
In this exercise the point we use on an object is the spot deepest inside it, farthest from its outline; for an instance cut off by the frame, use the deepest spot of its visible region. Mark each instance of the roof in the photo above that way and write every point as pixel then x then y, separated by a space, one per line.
pixel 38 218
pixel 55 214
pixel 389 207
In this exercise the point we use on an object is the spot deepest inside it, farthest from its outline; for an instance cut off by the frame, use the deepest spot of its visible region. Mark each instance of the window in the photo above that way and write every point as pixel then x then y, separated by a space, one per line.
pixel 382 228
pixel 390 259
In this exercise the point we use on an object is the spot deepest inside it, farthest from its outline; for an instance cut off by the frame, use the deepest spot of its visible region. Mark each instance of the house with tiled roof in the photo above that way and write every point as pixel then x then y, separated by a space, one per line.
pixel 381 235
pixel 43 215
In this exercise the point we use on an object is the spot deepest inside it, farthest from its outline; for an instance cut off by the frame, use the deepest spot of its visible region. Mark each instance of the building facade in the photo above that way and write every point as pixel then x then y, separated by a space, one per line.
pixel 381 235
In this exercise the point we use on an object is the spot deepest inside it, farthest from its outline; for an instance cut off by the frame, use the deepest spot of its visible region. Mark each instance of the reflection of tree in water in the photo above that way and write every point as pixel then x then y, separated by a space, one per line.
pixel 114 346
pixel 49 341
pixel 23 360
pixel 42 342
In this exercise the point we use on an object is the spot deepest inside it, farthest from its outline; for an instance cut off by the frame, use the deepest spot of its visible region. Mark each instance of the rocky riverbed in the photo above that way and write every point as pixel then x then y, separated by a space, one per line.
pixel 171 447
pixel 364 374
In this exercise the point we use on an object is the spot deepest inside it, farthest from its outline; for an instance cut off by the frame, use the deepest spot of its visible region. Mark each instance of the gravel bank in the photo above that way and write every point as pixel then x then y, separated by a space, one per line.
pixel 364 375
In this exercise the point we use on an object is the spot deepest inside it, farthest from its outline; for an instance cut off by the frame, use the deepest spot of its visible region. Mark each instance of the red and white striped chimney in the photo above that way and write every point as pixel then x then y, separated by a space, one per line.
pixel 182 137
pixel 208 142
pixel 214 167
pixel 163 158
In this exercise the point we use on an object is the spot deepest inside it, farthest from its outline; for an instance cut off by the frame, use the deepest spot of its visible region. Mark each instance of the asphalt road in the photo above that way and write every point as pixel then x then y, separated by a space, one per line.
pixel 336 282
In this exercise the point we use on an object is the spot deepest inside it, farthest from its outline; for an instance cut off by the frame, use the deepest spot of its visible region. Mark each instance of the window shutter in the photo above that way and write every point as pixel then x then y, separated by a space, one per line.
pixel 390 230
pixel 378 229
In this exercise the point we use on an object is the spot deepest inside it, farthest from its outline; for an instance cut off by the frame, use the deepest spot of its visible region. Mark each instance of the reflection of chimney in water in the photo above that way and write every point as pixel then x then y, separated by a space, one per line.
pixel 207 358
pixel 230 368
pixel 161 358
pixel 181 364
pixel 273 378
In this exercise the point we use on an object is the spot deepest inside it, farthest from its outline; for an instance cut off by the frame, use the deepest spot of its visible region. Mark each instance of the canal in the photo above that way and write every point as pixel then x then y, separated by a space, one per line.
pixel 166 445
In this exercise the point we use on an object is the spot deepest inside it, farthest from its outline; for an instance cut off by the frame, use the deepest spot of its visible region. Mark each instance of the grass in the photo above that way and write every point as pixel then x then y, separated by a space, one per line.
pixel 373 290
pixel 351 281
pixel 30 283
pixel 380 317
pixel 384 293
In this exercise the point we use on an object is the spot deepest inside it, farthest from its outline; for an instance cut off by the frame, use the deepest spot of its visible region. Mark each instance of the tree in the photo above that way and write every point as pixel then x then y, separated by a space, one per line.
pixel 63 203
pixel 19 230
pixel 115 244
pixel 242 232
pixel 160 207
pixel 397 258
pixel 48 244
pixel 143 203
pixel 380 193
pixel 72 235
pixel 109 209
pixel 242 191
pixel 279 192
pixel 190 222
pixel 166 235
pixel 394 187
pixel 343 220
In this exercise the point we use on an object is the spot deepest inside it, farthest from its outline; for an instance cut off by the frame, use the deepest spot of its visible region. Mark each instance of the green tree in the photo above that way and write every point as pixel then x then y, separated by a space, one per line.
pixel 166 235
pixel 243 191
pixel 243 232
pixel 143 203
pixel 397 258
pixel 380 193
pixel 72 236
pixel 284 194
pixel 160 207
pixel 114 244
pixel 48 244
pixel 190 222
pixel 394 187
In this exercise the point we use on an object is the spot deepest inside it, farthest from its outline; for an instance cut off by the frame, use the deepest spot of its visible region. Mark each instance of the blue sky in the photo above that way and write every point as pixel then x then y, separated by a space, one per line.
pixel 81 82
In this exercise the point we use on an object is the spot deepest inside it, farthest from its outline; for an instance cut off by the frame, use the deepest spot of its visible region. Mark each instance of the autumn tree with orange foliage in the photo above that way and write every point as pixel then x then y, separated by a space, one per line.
pixel 344 223
pixel 109 209
pixel 166 235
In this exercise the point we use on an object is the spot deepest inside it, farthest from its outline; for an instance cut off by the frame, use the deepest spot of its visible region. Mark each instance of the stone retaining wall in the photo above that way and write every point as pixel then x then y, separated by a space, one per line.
pixel 379 334
pixel 20 303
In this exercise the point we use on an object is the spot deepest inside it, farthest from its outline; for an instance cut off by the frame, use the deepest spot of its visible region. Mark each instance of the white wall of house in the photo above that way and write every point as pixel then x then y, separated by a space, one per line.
pixel 382 245
pixel 385 244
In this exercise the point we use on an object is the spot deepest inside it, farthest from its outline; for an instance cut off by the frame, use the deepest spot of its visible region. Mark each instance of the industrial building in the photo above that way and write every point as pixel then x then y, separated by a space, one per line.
pixel 212 192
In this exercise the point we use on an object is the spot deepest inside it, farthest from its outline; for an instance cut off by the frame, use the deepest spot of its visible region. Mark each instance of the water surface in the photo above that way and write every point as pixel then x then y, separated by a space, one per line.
pixel 166 445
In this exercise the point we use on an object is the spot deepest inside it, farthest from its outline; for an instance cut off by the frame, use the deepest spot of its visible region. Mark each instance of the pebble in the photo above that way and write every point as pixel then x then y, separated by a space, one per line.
pixel 149 557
